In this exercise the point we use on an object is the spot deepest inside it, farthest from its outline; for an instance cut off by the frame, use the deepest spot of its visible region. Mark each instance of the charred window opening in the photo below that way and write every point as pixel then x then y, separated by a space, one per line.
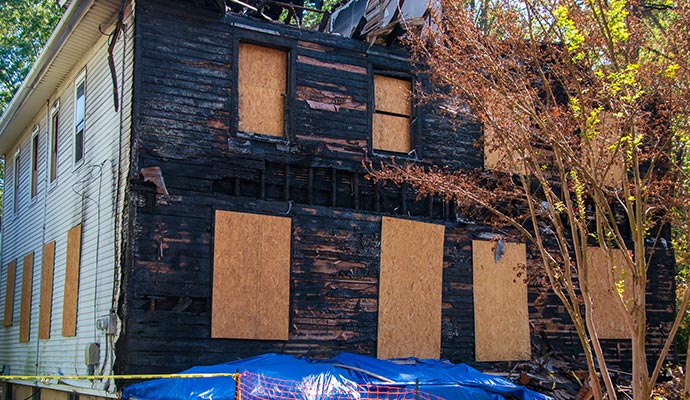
pixel 262 90
pixel 392 119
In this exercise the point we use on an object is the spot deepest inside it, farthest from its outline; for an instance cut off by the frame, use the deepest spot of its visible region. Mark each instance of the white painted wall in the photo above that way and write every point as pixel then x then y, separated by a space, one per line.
pixel 84 193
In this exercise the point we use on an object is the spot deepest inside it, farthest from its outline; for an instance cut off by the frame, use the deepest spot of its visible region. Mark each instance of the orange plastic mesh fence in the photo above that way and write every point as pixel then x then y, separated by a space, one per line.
pixel 253 386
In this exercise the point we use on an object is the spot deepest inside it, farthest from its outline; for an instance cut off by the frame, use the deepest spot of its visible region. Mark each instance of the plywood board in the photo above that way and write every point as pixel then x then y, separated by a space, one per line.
pixel 262 82
pixel 9 292
pixel 607 309
pixel 391 133
pixel 602 153
pixel 25 306
pixel 496 156
pixel 46 302
pixel 73 259
pixel 251 276
pixel 393 95
pixel 410 286
pixel 501 319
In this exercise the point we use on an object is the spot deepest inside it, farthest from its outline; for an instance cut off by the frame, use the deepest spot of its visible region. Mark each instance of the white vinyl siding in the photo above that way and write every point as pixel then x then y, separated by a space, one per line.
pixel 67 196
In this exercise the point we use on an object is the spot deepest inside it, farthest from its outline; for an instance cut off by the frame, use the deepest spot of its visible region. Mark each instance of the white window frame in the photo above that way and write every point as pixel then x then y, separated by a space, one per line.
pixel 81 79
pixel 53 141
pixel 16 168
pixel 33 180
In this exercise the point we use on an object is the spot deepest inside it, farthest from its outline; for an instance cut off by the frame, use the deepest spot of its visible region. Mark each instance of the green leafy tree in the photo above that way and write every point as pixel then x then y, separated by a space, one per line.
pixel 25 25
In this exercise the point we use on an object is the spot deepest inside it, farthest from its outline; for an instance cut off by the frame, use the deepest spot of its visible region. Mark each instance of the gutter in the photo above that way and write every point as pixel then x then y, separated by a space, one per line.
pixel 57 40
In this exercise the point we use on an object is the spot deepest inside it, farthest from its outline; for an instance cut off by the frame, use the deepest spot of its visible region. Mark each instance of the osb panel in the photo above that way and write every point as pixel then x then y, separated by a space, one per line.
pixel 393 95
pixel 73 259
pixel 496 156
pixel 411 276
pixel 25 306
pixel 251 276
pixel 391 133
pixel 607 309
pixel 501 320
pixel 601 150
pixel 9 292
pixel 262 81
pixel 46 302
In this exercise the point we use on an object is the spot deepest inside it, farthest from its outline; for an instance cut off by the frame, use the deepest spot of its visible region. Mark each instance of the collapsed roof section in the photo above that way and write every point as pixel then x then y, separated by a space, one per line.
pixel 380 21
pixel 375 21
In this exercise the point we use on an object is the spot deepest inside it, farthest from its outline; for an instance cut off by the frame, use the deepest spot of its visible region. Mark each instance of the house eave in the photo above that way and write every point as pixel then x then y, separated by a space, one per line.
pixel 74 35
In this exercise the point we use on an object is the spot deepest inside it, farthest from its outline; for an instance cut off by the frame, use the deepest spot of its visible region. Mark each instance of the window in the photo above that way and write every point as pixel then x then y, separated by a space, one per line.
pixel 69 300
pixel 79 116
pixel 501 320
pixel 46 300
pixel 53 138
pixel 499 158
pixel 9 292
pixel 262 86
pixel 34 162
pixel 25 305
pixel 15 183
pixel 392 114
pixel 410 285
pixel 609 314
pixel 251 260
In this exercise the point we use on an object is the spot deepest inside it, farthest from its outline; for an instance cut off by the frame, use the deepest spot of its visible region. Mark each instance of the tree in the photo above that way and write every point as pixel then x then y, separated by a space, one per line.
pixel 25 25
pixel 588 103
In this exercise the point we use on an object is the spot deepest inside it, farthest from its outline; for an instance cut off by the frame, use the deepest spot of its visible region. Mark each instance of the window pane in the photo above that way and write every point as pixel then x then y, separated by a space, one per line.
pixel 79 104
pixel 54 146
pixel 16 183
pixel 79 145
pixel 34 166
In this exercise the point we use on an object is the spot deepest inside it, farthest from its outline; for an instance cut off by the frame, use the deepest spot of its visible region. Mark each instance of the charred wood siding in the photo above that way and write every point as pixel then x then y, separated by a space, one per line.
pixel 185 123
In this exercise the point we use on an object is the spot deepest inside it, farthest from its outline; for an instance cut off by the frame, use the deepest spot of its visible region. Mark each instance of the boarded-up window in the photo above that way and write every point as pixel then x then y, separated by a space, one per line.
pixel 497 156
pixel 9 292
pixel 392 114
pixel 603 153
pixel 46 303
pixel 410 285
pixel 262 83
pixel 501 320
pixel 607 309
pixel 72 261
pixel 251 276
pixel 25 306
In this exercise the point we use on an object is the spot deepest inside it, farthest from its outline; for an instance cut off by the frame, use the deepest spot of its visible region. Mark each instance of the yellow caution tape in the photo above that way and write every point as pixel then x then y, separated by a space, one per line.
pixel 100 377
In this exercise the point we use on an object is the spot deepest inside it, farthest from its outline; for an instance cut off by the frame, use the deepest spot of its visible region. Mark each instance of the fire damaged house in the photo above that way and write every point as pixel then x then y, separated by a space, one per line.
pixel 186 183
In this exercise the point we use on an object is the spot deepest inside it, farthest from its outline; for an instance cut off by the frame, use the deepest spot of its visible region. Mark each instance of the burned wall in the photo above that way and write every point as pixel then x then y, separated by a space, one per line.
pixel 185 123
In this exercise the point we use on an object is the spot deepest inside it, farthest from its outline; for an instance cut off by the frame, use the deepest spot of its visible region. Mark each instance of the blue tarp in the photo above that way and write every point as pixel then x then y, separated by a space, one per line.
pixel 341 377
